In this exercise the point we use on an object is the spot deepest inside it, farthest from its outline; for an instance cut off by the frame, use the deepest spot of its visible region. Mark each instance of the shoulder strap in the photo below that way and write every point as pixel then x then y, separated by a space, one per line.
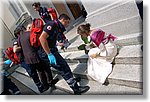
pixel 56 22
pixel 57 26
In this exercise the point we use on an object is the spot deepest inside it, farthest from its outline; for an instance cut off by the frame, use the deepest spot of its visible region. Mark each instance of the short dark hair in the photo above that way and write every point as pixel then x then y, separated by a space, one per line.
pixel 64 16
pixel 36 4
pixel 18 30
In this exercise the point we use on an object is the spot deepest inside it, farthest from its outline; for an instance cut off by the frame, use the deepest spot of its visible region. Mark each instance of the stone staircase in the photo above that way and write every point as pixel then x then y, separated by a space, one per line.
pixel 120 18
pixel 22 76
pixel 126 77
pixel 127 67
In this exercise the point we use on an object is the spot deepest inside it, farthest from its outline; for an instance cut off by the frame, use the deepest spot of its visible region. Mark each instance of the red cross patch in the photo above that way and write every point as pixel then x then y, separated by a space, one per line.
pixel 49 27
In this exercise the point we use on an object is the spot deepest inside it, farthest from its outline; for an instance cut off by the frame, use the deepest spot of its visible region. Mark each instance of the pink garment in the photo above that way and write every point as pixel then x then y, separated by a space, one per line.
pixel 98 36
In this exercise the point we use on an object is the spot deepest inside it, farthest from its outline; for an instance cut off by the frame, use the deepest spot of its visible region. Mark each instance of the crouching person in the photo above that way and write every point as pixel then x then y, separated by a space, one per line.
pixel 48 40
pixel 102 51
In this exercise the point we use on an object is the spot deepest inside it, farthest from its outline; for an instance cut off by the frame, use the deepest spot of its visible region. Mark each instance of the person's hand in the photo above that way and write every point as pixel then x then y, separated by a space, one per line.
pixel 87 47
pixel 93 55
pixel 66 40
pixel 82 47
pixel 1 63
pixel 66 44
pixel 52 59
pixel 60 44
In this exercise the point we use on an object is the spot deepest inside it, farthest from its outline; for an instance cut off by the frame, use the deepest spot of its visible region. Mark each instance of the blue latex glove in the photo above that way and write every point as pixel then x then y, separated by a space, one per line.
pixel 52 59
pixel 7 61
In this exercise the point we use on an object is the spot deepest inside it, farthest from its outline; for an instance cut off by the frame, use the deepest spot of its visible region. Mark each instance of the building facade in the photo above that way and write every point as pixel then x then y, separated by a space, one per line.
pixel 16 12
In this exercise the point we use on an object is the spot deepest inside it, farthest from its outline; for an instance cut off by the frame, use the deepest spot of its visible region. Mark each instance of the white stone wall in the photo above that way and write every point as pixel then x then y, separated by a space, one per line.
pixel 7 23
pixel 6 37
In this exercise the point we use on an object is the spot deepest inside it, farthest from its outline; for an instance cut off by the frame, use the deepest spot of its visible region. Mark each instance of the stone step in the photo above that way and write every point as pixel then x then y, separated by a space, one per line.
pixel 27 81
pixel 115 86
pixel 118 18
pixel 98 89
pixel 133 39
pixel 9 70
pixel 123 27
pixel 23 89
pixel 131 54
pixel 22 77
pixel 118 10
pixel 124 75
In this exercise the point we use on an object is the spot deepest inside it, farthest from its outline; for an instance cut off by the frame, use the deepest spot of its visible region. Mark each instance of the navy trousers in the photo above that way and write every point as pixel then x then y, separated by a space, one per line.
pixel 33 74
pixel 65 71
pixel 62 67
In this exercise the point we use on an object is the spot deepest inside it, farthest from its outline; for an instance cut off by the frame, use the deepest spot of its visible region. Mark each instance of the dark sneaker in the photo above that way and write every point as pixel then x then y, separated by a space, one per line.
pixel 53 82
pixel 17 93
pixel 78 79
pixel 82 89
pixel 42 89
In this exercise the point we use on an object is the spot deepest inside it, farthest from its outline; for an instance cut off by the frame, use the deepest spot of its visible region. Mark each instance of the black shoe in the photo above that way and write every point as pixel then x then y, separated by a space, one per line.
pixel 42 89
pixel 53 82
pixel 78 79
pixel 82 89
